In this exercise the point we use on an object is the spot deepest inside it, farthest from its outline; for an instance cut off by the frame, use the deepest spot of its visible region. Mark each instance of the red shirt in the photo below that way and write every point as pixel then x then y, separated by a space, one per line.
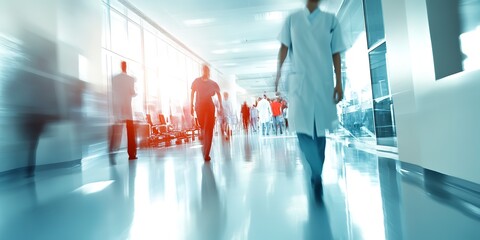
pixel 276 108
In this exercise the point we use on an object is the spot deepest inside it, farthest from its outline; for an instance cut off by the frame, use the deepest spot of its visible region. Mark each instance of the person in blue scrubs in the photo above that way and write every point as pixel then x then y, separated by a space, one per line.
pixel 312 39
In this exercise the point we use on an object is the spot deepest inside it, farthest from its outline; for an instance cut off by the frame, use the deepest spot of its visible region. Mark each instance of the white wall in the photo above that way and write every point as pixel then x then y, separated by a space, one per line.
pixel 75 28
pixel 437 121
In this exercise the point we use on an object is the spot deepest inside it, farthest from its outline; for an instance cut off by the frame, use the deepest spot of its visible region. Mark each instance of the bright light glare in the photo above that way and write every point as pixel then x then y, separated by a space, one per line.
pixel 271 45
pixel 471 49
pixel 240 89
pixel 220 51
pixel 94 187
pixel 298 208
pixel 199 22
pixel 225 51
pixel 82 68
pixel 250 47
pixel 270 16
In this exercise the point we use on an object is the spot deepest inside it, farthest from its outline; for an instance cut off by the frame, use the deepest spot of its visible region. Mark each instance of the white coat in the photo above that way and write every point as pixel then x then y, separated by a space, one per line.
pixel 123 90
pixel 311 43
pixel 228 112
pixel 264 110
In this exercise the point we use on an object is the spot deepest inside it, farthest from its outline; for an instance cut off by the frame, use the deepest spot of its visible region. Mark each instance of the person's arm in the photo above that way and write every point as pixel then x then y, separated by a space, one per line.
pixel 192 95
pixel 282 55
pixel 219 96
pixel 132 88
pixel 338 91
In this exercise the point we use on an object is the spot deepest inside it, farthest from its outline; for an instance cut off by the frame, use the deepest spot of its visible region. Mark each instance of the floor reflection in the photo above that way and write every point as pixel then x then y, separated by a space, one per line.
pixel 210 219
pixel 255 188
pixel 318 224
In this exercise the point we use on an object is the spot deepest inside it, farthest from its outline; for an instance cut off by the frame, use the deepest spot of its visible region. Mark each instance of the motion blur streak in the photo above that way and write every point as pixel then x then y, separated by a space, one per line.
pixel 50 69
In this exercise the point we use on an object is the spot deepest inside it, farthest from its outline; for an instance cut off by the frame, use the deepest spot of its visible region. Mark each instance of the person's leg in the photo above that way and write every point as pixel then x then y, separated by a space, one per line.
pixel 115 137
pixel 269 126
pixel 33 130
pixel 314 152
pixel 280 124
pixel 309 148
pixel 227 127
pixel 275 125
pixel 201 123
pixel 209 125
pixel 131 140
pixel 222 126
pixel 321 146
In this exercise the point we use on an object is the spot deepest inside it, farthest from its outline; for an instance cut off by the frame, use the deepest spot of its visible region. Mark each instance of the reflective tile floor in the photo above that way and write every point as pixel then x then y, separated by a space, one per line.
pixel 255 188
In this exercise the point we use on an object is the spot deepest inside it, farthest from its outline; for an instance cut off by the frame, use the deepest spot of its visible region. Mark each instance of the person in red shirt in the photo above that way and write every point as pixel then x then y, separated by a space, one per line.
pixel 205 89
pixel 277 115
pixel 245 116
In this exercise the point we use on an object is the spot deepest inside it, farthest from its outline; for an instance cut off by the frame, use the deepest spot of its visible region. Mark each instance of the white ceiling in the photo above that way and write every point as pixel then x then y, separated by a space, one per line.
pixel 238 37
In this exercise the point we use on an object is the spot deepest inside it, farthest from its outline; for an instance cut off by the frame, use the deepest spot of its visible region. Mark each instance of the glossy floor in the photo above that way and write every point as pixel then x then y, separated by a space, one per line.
pixel 255 188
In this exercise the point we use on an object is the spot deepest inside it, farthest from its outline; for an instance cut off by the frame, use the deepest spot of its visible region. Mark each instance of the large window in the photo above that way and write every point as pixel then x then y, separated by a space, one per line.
pixel 382 97
pixel 163 69
pixel 118 33
pixel 378 68
pixel 357 108
pixel 134 48
pixel 383 105
pixel 374 22
pixel 470 33
pixel 454 33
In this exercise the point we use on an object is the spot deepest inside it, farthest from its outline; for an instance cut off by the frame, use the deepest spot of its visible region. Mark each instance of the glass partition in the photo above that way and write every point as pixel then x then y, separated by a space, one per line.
pixel 374 22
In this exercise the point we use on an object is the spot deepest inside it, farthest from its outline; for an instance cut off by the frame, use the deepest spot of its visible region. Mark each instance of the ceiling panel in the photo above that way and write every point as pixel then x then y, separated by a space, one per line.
pixel 236 37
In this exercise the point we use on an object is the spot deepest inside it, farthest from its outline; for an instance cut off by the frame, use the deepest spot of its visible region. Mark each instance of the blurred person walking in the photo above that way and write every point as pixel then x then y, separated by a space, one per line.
pixel 30 94
pixel 227 116
pixel 123 90
pixel 254 118
pixel 265 113
pixel 245 116
pixel 285 116
pixel 277 115
pixel 313 38
pixel 203 89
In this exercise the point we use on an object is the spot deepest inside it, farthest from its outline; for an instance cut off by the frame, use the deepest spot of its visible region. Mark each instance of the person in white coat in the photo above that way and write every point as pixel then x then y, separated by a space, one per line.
pixel 254 118
pixel 123 90
pixel 313 41
pixel 265 114
pixel 228 116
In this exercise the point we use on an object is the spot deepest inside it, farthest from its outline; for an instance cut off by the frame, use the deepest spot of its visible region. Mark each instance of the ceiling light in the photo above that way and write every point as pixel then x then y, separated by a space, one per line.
pixel 274 45
pixel 224 51
pixel 220 51
pixel 270 16
pixel 198 22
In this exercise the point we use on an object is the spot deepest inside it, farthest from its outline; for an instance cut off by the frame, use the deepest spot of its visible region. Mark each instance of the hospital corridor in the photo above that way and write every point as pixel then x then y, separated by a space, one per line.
pixel 239 120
